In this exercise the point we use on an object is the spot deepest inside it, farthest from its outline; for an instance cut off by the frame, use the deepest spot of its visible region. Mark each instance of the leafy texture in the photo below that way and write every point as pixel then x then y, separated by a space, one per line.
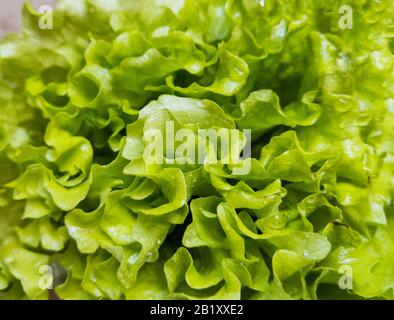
pixel 79 196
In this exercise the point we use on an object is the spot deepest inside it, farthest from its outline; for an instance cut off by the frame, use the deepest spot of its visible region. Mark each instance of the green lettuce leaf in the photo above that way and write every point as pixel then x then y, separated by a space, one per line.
pixel 111 188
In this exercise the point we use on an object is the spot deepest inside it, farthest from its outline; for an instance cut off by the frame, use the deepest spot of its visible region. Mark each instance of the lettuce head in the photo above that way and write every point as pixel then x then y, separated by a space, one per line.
pixel 85 213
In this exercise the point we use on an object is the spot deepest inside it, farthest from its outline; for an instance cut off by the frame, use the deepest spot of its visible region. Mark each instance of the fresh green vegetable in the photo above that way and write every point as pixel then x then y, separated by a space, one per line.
pixel 84 209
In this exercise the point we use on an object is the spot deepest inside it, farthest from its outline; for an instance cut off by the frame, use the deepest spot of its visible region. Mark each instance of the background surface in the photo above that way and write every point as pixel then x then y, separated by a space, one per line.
pixel 10 14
